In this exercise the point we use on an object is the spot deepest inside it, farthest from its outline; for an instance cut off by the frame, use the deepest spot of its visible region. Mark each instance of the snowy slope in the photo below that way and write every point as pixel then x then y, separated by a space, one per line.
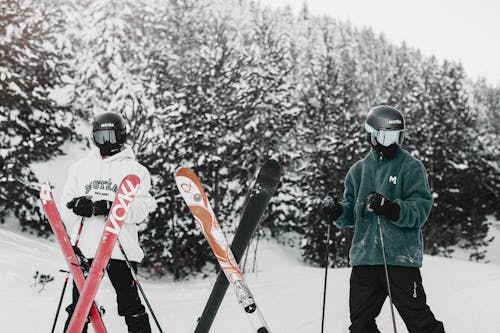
pixel 464 295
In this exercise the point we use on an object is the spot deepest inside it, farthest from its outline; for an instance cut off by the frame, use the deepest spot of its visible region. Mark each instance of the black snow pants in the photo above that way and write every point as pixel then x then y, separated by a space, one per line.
pixel 368 293
pixel 127 297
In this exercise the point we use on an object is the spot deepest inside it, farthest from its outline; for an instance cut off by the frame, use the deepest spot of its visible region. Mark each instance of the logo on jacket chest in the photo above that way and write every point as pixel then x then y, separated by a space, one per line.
pixel 393 179
pixel 101 185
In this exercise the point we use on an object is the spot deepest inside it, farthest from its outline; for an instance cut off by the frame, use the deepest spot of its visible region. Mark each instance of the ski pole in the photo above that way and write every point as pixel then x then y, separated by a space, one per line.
pixel 327 247
pixel 66 279
pixel 60 302
pixel 386 274
pixel 134 275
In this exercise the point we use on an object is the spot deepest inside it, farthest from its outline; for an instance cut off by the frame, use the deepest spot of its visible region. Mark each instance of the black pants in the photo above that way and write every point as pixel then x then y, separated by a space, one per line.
pixel 369 291
pixel 127 297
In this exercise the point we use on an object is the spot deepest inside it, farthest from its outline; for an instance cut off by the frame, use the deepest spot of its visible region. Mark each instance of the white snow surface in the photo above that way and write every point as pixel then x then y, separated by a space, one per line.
pixel 464 295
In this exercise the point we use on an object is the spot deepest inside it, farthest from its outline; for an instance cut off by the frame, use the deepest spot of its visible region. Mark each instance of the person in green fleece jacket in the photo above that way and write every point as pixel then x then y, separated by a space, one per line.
pixel 388 185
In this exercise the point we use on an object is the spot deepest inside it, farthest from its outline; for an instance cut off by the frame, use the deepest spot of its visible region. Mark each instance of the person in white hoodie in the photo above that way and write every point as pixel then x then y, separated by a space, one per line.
pixel 87 197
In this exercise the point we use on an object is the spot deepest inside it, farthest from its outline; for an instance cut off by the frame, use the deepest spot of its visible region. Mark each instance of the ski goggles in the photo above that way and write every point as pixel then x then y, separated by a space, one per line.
pixel 104 136
pixel 386 137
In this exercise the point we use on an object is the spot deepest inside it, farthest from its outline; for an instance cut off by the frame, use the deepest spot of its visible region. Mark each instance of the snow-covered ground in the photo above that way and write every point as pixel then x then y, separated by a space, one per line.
pixel 464 295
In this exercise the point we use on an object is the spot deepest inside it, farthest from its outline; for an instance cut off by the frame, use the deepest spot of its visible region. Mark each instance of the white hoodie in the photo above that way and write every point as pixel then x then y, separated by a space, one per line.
pixel 99 178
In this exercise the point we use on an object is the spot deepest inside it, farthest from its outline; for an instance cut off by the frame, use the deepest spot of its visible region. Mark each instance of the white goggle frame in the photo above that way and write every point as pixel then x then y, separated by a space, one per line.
pixel 386 137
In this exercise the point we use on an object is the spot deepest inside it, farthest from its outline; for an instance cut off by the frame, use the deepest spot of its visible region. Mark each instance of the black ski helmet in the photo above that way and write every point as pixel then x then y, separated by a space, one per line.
pixel 109 133
pixel 384 118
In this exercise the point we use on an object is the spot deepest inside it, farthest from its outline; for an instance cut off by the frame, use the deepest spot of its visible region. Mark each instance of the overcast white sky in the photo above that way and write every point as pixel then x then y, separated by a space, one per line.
pixel 464 30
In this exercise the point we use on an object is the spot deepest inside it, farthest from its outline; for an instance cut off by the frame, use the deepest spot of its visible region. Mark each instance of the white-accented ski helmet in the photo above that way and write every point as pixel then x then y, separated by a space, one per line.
pixel 109 133
pixel 386 126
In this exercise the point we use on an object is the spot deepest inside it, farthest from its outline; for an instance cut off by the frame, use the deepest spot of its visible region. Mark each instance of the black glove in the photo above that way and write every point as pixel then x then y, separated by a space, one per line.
pixel 81 206
pixel 330 208
pixel 102 207
pixel 382 206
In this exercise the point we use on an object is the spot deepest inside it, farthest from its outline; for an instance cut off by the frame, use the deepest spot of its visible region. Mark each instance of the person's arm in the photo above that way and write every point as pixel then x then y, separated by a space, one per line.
pixel 143 203
pixel 416 203
pixel 346 219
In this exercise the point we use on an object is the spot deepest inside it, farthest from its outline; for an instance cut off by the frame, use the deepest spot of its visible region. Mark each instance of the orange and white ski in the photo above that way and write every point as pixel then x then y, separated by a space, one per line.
pixel 194 195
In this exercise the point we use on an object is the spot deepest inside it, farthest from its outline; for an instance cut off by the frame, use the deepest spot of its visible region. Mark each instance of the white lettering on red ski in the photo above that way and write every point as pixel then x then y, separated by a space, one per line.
pixel 118 211
pixel 45 192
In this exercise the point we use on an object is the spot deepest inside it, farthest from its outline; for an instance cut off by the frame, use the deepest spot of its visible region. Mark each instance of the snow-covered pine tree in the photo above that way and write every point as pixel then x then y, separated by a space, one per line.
pixel 444 139
pixel 219 85
pixel 476 175
pixel 329 133
pixel 108 58
pixel 486 103
pixel 487 106
pixel 184 85
pixel 267 110
pixel 33 126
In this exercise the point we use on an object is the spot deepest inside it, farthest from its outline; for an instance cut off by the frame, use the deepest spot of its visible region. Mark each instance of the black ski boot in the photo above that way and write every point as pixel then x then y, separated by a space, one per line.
pixel 138 323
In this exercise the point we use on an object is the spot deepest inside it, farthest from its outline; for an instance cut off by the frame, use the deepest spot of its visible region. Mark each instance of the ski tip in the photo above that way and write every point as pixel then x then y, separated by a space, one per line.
pixel 45 192
pixel 132 177
pixel 45 183
pixel 185 172
pixel 270 172
pixel 272 166
pixel 272 163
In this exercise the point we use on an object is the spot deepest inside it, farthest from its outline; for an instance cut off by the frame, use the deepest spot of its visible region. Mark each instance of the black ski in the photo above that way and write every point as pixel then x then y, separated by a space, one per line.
pixel 257 200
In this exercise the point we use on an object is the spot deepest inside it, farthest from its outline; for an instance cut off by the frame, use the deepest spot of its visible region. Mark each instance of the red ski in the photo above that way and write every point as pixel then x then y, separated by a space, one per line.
pixel 50 209
pixel 123 198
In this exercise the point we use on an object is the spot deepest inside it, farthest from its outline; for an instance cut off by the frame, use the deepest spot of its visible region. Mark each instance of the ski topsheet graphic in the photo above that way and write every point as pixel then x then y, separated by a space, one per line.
pixel 50 209
pixel 257 200
pixel 196 199
pixel 123 198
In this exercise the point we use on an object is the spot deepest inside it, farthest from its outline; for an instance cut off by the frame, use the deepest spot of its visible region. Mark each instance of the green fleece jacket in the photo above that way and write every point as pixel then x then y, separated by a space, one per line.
pixel 402 179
